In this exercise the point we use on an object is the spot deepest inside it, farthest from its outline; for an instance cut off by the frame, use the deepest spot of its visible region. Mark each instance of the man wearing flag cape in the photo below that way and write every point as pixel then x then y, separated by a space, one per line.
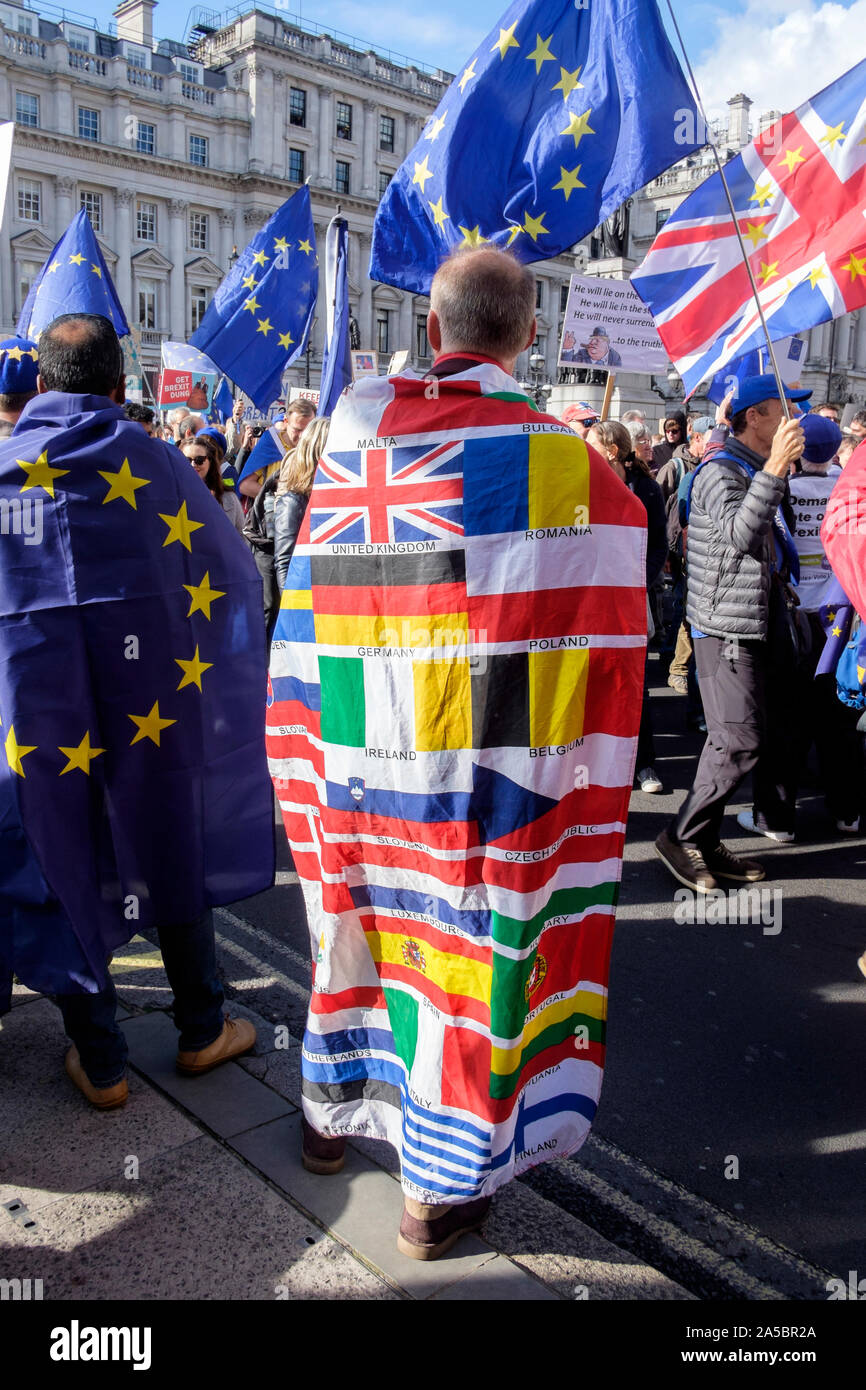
pixel 456 681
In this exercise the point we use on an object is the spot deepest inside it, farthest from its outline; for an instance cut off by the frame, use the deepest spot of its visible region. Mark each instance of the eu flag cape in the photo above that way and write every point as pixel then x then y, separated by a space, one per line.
pixel 133 779
pixel 456 678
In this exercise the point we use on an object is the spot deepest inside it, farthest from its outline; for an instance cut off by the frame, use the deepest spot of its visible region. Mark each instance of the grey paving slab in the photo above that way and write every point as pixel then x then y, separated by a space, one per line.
pixel 498 1280
pixel 228 1100
pixel 197 1224
pixel 570 1258
pixel 362 1205
pixel 53 1141
pixel 139 977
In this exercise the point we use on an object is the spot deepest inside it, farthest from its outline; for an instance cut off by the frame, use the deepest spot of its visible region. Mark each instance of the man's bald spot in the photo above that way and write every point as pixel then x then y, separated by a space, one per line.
pixel 484 300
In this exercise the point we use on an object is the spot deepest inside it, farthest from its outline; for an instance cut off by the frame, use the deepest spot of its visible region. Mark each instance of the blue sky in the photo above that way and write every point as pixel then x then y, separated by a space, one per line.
pixel 778 51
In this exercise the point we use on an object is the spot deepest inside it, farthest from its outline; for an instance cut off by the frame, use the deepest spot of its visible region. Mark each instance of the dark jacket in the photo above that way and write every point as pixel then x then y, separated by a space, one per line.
pixel 288 514
pixel 649 492
pixel 662 452
pixel 730 545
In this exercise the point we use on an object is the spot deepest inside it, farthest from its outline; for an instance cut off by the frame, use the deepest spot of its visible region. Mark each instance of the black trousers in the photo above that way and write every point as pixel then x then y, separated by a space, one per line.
pixel 733 677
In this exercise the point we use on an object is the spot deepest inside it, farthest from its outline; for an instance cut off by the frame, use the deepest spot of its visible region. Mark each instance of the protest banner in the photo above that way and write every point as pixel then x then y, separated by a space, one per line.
pixel 607 325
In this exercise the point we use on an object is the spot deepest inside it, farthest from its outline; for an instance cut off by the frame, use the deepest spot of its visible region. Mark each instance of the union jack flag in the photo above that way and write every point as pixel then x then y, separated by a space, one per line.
pixel 799 192
pixel 394 493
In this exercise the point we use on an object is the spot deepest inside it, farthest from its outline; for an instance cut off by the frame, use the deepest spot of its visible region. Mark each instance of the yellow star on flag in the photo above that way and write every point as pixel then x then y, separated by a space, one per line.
pixel 768 270
pixel 54 266
pixel 15 751
pixel 578 126
pixel 472 235
pixel 467 76
pixel 81 757
pixel 249 282
pixel 792 158
pixel 541 53
pixel 569 181
pixel 506 40
pixel 180 528
pixel 286 340
pixel 816 274
pixel 39 474
pixel 259 258
pixel 15 353
pixel 122 484
pixel 855 266
pixel 422 173
pixel 150 725
pixel 280 244
pixel 513 235
pixel 755 233
pixel 202 596
pixel 96 269
pixel 305 247
pixel 763 194
pixel 833 135
pixel 76 259
pixel 436 128
pixel 831 617
pixel 837 632
pixel 567 82
pixel 265 327
pixel 440 216
pixel 534 226
pixel 252 304
pixel 192 670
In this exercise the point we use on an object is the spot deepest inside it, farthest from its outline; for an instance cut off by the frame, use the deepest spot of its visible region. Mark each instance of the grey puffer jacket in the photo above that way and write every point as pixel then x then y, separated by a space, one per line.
pixel 730 544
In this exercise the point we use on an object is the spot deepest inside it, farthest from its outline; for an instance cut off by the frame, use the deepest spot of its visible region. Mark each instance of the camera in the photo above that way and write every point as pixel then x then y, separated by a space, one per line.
pixel 258 430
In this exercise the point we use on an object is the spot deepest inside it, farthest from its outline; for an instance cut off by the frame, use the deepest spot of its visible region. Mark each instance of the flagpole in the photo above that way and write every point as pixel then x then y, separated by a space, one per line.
pixel 712 143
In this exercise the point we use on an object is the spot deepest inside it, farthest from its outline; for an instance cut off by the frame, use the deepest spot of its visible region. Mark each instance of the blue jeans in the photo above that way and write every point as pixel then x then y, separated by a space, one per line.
pixel 189 956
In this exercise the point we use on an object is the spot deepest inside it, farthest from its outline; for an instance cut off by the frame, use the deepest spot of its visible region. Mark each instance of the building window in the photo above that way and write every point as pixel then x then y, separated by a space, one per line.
pixel 563 298
pixel 190 72
pixel 198 231
pixel 92 204
pixel 145 221
pixel 662 215
pixel 384 180
pixel 343 168
pixel 539 294
pixel 26 109
pixel 200 298
pixel 145 138
pixel 147 290
pixel 88 123
pixel 344 121
pixel 422 343
pixel 29 200
pixel 386 133
pixel 297 106
pixel 297 166
pixel 198 150
pixel 78 39
pixel 23 23
pixel 136 56
pixel 28 271
pixel 382 333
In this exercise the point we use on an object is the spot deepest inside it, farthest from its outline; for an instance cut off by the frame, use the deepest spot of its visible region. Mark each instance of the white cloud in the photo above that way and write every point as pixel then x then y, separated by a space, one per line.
pixel 780 52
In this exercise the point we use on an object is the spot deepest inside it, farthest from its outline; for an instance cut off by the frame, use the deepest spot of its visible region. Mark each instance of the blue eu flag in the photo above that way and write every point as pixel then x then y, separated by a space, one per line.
pixel 132 681
pixel 74 280
pixel 259 319
pixel 336 360
pixel 560 114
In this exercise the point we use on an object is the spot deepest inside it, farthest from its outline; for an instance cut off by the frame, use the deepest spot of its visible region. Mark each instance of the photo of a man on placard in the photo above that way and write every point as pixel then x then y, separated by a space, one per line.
pixel 597 351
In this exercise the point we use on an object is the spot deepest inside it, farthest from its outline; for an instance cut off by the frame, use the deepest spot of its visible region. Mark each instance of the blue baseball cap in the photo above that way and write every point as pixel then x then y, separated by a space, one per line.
pixel 213 433
pixel 19 367
pixel 754 389
pixel 823 437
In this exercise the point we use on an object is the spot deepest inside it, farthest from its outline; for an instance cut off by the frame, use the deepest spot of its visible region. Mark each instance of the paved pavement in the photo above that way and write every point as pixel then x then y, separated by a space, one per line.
pixel 726 1042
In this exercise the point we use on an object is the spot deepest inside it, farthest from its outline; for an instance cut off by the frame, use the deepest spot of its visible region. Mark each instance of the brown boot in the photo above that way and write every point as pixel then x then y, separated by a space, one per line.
pixel 102 1097
pixel 426 1232
pixel 321 1154
pixel 238 1036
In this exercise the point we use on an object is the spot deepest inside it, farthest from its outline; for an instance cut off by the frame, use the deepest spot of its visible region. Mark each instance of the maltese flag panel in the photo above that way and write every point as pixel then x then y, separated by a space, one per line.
pixel 799 192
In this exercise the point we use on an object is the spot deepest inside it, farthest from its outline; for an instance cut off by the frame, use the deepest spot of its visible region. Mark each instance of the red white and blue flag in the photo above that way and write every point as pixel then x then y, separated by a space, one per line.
pixel 799 192
pixel 391 493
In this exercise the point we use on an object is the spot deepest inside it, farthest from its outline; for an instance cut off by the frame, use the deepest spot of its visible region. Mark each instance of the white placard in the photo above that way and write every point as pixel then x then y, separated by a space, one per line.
pixel 607 325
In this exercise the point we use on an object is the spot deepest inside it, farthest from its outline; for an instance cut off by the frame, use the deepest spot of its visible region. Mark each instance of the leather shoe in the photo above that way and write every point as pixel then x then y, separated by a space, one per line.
pixel 426 1232
pixel 238 1036
pixel 686 863
pixel 724 864
pixel 102 1097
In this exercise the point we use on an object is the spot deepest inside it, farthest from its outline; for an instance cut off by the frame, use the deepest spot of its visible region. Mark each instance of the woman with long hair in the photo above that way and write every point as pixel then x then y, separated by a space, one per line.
pixel 293 492
pixel 203 454
pixel 614 443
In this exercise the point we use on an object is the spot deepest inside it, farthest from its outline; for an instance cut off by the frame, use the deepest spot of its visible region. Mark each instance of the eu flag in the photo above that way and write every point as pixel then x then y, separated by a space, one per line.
pixel 560 114
pixel 74 280
pixel 260 317
pixel 132 680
